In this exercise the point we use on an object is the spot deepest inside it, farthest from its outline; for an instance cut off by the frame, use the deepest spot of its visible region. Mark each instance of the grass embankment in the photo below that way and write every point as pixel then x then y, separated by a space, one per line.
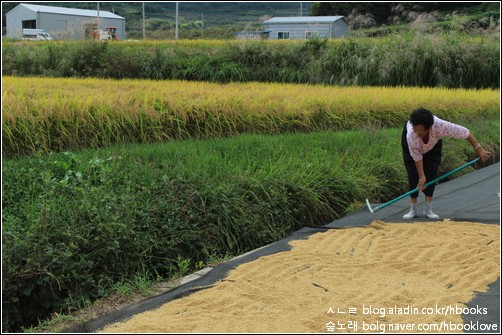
pixel 412 59
pixel 52 114
pixel 76 224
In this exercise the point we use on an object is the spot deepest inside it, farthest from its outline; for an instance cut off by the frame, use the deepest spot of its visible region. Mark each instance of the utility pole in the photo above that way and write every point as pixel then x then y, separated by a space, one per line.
pixel 144 34
pixel 97 18
pixel 176 20
pixel 301 9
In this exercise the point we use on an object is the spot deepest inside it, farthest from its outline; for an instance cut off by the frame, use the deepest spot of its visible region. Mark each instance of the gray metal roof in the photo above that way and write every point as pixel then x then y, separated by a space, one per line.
pixel 304 19
pixel 71 11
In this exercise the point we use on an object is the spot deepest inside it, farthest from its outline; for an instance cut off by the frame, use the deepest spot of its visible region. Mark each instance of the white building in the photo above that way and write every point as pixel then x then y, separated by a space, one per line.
pixel 305 27
pixel 60 22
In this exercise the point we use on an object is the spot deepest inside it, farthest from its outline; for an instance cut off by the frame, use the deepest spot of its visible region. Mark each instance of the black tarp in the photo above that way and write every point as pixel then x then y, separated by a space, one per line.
pixel 472 197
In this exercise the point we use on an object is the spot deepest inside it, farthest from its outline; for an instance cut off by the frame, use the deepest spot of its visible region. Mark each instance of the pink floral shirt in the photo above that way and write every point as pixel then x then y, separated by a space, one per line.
pixel 439 129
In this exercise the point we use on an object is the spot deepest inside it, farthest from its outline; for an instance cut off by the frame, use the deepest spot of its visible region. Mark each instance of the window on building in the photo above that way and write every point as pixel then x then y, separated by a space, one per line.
pixel 311 34
pixel 283 35
pixel 29 24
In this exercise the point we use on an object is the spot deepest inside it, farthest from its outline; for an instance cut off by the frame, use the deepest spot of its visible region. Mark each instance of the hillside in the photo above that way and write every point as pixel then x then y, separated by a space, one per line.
pixel 221 20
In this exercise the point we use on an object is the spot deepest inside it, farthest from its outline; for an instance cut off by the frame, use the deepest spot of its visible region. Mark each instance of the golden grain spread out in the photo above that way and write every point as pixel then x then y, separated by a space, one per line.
pixel 396 275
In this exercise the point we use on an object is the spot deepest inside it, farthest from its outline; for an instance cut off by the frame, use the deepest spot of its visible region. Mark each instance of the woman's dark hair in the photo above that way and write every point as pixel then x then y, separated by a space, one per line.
pixel 422 116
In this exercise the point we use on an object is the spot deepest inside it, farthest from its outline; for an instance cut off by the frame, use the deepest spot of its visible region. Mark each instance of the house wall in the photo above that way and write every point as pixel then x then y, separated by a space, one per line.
pixel 296 31
pixel 339 28
pixel 73 27
pixel 14 21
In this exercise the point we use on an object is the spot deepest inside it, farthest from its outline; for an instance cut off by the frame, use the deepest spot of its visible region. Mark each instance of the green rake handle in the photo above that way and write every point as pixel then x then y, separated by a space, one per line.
pixel 373 210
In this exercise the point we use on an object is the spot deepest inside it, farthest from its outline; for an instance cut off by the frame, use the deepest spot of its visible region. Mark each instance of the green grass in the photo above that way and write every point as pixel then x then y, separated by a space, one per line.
pixel 76 225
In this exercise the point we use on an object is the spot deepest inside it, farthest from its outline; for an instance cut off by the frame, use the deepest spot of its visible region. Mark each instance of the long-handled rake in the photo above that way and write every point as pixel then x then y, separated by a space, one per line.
pixel 377 208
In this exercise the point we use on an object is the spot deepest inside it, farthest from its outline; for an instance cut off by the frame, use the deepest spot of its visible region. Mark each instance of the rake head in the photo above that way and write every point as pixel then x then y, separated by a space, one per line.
pixel 369 207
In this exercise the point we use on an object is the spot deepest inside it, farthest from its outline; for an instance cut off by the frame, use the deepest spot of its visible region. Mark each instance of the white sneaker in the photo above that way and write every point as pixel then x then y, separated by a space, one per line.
pixel 430 214
pixel 412 213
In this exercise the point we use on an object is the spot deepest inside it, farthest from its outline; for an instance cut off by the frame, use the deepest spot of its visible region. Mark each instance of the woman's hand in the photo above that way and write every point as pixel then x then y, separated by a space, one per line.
pixel 483 154
pixel 421 183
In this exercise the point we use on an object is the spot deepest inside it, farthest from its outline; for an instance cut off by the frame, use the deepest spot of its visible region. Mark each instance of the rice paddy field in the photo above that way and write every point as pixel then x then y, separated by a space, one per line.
pixel 106 180
pixel 49 114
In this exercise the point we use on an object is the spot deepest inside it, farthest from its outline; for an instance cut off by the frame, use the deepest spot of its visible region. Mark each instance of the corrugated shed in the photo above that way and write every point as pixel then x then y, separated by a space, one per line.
pixel 304 19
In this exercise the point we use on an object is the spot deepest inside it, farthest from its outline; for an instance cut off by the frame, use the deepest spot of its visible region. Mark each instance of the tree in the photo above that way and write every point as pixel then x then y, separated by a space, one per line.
pixel 382 11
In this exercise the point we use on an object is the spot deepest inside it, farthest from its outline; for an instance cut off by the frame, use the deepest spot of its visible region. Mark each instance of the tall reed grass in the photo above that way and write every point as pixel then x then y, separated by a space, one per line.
pixel 411 59
pixel 46 115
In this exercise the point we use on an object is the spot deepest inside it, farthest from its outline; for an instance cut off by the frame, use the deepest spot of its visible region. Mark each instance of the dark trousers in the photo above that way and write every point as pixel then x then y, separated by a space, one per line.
pixel 431 161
